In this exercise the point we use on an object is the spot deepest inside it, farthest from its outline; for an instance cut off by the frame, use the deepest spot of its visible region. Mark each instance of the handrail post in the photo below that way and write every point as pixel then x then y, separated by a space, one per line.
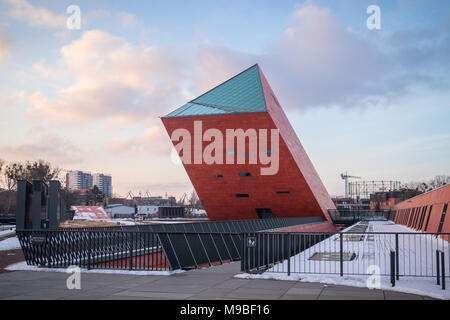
pixel 289 253
pixel 131 251
pixel 438 279
pixel 443 270
pixel 89 252
pixel 341 255
pixel 393 268
pixel 397 268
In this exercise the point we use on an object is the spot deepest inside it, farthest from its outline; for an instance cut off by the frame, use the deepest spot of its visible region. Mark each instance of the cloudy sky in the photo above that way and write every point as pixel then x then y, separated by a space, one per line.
pixel 375 103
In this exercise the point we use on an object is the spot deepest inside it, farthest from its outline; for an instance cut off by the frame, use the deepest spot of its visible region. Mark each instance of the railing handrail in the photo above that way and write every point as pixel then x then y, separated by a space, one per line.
pixel 128 231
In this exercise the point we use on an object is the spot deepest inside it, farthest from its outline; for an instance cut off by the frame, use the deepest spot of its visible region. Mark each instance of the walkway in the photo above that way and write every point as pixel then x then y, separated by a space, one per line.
pixel 210 283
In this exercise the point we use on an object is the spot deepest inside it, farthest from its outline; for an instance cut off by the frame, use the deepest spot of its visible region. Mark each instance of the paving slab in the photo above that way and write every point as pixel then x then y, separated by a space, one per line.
pixel 209 284
pixel 299 297
pixel 154 295
pixel 304 291
pixel 391 295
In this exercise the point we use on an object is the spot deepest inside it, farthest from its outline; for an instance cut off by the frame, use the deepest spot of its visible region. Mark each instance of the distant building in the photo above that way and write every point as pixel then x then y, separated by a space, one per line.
pixel 386 200
pixel 78 180
pixel 120 211
pixel 84 197
pixel 351 204
pixel 89 213
pixel 147 210
pixel 104 183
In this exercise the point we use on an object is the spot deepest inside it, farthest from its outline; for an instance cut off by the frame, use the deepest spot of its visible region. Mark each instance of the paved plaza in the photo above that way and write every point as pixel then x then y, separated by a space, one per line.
pixel 209 283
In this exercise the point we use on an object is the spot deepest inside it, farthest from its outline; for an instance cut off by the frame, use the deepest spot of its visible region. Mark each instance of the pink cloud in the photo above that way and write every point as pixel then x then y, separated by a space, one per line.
pixel 114 80
pixel 35 16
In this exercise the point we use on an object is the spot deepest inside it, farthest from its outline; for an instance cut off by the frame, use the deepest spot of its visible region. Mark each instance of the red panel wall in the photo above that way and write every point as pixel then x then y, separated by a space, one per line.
pixel 298 152
pixel 218 194
pixel 415 212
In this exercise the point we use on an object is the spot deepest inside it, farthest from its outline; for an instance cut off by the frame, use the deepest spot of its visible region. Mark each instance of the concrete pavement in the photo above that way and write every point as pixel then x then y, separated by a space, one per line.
pixel 204 284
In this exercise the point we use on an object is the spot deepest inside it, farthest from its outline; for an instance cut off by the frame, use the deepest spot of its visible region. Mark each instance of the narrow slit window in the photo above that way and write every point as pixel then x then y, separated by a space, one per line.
pixel 428 219
pixel 283 192
pixel 242 195
pixel 218 176
pixel 245 174
pixel 441 223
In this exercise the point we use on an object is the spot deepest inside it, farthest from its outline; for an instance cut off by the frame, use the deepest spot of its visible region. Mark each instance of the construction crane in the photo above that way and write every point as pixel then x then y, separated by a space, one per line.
pixel 345 177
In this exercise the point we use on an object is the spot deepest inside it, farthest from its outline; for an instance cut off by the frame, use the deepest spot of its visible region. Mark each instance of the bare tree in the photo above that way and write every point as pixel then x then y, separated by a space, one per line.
pixel 41 170
pixel 439 181
pixel 193 199
pixel 13 172
pixel 425 186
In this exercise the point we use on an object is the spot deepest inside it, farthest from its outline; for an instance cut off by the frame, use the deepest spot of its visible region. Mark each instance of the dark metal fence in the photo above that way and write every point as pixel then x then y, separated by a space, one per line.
pixel 349 217
pixel 234 226
pixel 131 250
pixel 145 247
pixel 348 253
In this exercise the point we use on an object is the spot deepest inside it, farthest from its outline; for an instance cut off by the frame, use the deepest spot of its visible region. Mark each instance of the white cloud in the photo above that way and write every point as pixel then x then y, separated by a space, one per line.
pixel 44 145
pixel 35 16
pixel 127 20
pixel 153 141
pixel 319 62
pixel 115 80
pixel 4 48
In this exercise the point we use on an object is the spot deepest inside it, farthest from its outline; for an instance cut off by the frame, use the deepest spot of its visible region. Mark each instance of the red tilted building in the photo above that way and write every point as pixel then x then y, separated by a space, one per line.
pixel 287 186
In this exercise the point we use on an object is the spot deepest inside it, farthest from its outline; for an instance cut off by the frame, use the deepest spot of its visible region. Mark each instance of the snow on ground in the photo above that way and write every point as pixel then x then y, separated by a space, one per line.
pixel 417 256
pixel 22 266
pixel 9 244
pixel 7 232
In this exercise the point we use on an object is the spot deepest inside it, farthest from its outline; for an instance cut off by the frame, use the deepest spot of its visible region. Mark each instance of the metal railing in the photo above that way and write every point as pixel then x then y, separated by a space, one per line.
pixel 145 247
pixel 130 250
pixel 348 253
pixel 349 217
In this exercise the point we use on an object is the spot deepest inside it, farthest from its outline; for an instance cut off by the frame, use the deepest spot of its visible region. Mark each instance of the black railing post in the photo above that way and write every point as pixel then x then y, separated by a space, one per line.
pixel 443 270
pixel 341 255
pixel 244 253
pixel 438 278
pixel 393 268
pixel 89 251
pixel 289 253
pixel 131 251
pixel 397 268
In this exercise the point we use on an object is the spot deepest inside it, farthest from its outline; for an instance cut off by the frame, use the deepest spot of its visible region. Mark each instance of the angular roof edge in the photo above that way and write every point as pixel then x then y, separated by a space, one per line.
pixel 242 93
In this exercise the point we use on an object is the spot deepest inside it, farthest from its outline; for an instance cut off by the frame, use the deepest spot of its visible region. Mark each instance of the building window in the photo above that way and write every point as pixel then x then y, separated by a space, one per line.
pixel 441 223
pixel 245 174
pixel 242 195
pixel 283 192
pixel 422 217
pixel 218 176
pixel 264 213
pixel 428 219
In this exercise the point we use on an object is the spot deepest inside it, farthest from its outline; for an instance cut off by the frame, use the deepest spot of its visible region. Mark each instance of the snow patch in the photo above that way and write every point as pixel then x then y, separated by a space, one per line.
pixel 9 244
pixel 416 254
pixel 22 266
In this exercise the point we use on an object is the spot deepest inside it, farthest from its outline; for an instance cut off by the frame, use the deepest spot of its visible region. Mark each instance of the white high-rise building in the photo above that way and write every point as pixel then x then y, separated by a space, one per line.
pixel 104 183
pixel 78 180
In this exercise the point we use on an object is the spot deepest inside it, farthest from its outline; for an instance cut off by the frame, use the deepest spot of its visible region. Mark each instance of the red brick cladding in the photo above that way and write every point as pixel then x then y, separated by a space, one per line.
pixel 218 194
pixel 411 212
pixel 298 152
